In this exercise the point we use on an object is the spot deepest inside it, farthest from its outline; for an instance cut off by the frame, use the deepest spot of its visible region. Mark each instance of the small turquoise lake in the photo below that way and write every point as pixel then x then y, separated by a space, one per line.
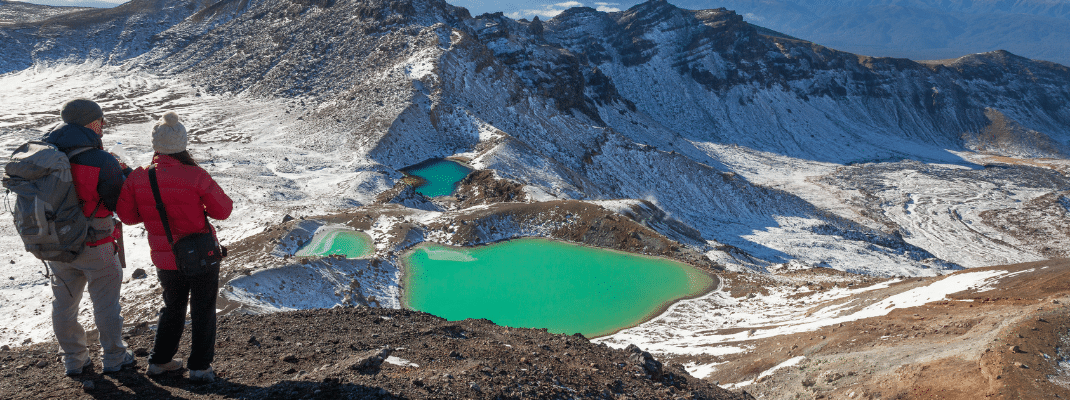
pixel 542 283
pixel 440 176
pixel 338 241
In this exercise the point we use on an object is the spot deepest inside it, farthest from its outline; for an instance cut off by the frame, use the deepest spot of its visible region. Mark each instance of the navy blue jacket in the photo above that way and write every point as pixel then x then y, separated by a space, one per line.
pixel 98 177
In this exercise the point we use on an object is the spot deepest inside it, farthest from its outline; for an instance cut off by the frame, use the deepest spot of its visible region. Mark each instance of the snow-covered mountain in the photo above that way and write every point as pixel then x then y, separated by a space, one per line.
pixel 597 94
pixel 916 29
pixel 758 151
pixel 593 105
pixel 113 35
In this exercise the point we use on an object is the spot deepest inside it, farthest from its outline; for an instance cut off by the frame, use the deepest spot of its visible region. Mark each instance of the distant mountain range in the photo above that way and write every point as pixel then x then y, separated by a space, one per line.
pixel 916 29
pixel 11 11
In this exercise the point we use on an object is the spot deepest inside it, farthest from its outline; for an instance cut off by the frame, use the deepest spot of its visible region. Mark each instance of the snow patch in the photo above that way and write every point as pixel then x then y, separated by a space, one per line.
pixel 789 363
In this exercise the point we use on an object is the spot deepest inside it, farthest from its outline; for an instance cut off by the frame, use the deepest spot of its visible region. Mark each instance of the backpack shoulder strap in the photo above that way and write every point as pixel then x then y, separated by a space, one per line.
pixel 77 151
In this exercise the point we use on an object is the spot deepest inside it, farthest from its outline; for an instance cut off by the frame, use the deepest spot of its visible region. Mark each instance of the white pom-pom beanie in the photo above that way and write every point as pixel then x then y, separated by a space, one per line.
pixel 169 136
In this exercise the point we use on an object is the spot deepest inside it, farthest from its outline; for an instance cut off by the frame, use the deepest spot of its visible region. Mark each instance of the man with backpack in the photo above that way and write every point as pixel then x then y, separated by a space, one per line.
pixel 98 179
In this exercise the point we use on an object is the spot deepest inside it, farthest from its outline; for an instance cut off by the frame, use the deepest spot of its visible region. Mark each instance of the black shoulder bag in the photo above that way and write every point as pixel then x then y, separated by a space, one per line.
pixel 195 254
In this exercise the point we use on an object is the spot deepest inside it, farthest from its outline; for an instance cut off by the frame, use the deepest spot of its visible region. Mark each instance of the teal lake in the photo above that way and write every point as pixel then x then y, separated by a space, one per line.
pixel 542 283
pixel 440 176
pixel 331 241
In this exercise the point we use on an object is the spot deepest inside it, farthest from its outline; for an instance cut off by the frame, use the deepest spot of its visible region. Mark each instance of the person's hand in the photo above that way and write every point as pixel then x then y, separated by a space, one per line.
pixel 120 160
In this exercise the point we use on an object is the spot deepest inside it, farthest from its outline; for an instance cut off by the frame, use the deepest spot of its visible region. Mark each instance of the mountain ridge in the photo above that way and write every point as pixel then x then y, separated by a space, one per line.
pixel 917 29
pixel 594 94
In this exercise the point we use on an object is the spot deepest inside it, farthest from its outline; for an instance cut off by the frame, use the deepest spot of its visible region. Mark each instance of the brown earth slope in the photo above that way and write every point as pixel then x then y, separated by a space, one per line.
pixel 330 354
pixel 1008 341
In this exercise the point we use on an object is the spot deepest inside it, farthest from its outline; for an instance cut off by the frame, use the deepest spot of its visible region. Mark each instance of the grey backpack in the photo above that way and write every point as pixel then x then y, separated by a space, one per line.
pixel 47 213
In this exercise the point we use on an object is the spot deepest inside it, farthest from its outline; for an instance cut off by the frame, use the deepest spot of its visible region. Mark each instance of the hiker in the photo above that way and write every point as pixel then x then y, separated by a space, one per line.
pixel 189 196
pixel 98 179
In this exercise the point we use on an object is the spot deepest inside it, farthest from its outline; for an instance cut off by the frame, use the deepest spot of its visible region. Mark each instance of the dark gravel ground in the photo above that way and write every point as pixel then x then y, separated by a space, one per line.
pixel 337 354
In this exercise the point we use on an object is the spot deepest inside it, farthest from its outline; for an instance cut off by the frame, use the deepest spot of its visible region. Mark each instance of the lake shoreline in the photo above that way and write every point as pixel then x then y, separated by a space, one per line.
pixel 332 233
pixel 423 182
pixel 697 287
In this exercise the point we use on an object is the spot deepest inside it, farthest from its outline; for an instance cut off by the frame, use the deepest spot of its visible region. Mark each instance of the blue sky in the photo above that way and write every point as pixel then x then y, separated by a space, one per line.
pixel 513 8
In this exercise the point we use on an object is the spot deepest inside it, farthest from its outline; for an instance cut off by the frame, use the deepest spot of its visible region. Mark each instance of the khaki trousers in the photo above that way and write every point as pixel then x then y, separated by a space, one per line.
pixel 100 268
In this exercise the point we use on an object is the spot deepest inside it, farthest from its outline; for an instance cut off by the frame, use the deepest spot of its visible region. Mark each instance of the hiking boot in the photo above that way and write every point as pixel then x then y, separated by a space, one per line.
pixel 127 360
pixel 78 371
pixel 156 369
pixel 203 375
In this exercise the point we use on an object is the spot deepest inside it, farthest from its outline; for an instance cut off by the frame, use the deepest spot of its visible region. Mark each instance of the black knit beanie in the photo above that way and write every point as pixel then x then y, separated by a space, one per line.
pixel 81 112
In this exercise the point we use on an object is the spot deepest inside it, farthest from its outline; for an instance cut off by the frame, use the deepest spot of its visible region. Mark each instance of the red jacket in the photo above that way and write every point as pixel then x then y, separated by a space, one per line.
pixel 187 191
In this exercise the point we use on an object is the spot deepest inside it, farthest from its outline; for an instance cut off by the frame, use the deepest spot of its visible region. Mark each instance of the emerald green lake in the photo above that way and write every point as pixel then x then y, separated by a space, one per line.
pixel 440 176
pixel 541 283
pixel 331 241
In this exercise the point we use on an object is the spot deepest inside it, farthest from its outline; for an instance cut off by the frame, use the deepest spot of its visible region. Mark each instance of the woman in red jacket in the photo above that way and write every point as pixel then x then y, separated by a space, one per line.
pixel 189 194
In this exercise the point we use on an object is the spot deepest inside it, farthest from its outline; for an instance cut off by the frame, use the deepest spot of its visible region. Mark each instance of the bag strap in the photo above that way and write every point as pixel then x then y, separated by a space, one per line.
pixel 163 211
pixel 78 151
pixel 97 208
pixel 159 205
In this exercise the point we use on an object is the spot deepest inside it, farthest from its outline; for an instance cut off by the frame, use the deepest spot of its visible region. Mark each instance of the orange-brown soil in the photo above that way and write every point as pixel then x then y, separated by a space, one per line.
pixel 1004 343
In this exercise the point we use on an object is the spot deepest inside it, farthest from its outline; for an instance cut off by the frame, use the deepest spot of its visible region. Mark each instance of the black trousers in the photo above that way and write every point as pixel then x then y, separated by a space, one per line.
pixel 200 293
